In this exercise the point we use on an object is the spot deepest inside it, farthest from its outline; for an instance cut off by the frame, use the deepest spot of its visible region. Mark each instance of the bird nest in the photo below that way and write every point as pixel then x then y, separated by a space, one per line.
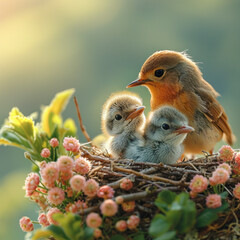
pixel 150 179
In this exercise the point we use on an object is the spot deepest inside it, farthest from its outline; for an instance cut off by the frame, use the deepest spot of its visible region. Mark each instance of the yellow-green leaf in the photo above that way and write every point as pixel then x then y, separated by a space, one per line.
pixel 7 143
pixel 51 115
pixel 23 126
pixel 70 126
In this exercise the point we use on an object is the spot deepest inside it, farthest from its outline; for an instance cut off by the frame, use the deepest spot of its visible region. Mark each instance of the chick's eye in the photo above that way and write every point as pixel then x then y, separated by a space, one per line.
pixel 118 117
pixel 159 72
pixel 165 126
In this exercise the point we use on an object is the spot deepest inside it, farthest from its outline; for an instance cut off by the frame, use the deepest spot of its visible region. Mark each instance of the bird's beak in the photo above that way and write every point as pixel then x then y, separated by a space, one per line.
pixel 136 112
pixel 184 129
pixel 139 82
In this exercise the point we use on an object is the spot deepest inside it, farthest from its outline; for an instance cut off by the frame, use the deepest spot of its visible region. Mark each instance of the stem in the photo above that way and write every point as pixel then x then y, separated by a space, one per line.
pixel 41 192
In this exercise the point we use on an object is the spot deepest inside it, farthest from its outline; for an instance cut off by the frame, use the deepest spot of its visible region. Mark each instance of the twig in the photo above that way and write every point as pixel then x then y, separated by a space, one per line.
pixel 84 131
pixel 152 178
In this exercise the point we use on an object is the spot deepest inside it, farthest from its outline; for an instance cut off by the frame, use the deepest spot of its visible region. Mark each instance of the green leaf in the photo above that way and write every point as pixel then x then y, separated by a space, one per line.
pixel 224 195
pixel 13 138
pixel 57 232
pixel 206 218
pixel 140 236
pixel 159 225
pixel 209 215
pixel 167 236
pixel 117 237
pixel 188 217
pixel 164 199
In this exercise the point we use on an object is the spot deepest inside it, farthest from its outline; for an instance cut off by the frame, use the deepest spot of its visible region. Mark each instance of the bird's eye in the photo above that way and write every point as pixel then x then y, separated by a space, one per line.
pixel 165 126
pixel 118 117
pixel 159 72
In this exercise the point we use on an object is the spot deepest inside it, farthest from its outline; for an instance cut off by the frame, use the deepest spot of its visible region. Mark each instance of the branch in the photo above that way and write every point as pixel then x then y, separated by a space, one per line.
pixel 84 131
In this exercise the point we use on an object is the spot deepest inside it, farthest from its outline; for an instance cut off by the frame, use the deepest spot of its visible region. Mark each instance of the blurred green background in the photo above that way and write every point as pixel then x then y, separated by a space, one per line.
pixel 98 47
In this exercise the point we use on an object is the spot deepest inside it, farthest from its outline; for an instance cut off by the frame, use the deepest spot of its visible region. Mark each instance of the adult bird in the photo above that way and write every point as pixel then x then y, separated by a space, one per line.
pixel 174 79
pixel 122 122
pixel 164 132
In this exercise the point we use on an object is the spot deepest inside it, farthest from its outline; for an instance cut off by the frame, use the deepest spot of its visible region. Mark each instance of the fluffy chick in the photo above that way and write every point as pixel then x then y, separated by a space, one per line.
pixel 122 122
pixel 164 133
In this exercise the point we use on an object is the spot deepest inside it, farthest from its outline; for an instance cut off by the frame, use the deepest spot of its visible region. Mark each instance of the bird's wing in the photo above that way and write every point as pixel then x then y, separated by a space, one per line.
pixel 215 113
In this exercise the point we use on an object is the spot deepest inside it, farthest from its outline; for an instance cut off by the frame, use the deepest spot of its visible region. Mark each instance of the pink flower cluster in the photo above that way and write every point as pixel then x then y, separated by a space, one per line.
pixel 31 183
pixel 109 208
pixel 128 206
pixel 213 201
pixel 93 220
pixel 226 153
pixel 197 185
pixel 42 219
pixel 126 184
pixel 220 175
pixel 236 191
pixel 82 166
pixel 71 144
pixel 236 168
pixel 105 192
pixel 26 224
pixel 132 223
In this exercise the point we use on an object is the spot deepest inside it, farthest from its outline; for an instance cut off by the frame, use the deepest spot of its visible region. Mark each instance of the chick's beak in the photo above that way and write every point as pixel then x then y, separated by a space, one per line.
pixel 138 82
pixel 184 129
pixel 136 112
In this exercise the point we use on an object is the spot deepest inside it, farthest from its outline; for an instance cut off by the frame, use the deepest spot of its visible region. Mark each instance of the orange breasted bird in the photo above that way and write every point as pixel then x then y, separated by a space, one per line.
pixel 174 79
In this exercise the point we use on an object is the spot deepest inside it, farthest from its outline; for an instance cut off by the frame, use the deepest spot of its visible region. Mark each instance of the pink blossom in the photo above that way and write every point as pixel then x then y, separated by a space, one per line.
pixel 65 163
pixel 82 165
pixel 42 219
pixel 42 165
pixel 81 205
pixel 50 172
pixel 198 184
pixel 193 194
pixel 66 175
pixel 213 201
pixel 237 158
pixel 31 183
pixel 50 215
pixel 71 144
pixel 91 188
pixel 236 191
pixel 71 207
pixel 105 192
pixel 109 208
pixel 69 191
pixel 56 195
pixel 236 169
pixel 93 220
pixel 45 153
pixel 54 142
pixel 97 233
pixel 219 176
pixel 119 199
pixel 26 224
pixel 39 198
pixel 77 183
pixel 126 184
pixel 226 167
pixel 133 221
pixel 121 226
pixel 226 153
pixel 128 206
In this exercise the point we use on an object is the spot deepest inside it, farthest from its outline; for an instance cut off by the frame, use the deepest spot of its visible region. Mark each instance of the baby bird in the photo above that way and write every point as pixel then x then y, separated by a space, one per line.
pixel 174 79
pixel 164 133
pixel 122 121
